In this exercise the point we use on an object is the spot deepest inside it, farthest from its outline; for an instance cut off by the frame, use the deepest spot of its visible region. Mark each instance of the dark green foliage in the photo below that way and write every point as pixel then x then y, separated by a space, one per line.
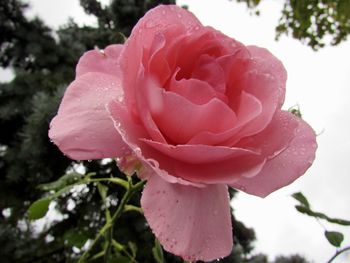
pixel 314 22
pixel 291 259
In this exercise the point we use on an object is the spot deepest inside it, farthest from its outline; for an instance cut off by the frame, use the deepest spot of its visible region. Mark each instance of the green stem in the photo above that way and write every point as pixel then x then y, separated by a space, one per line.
pixel 131 190
pixel 130 208
pixel 338 253
pixel 129 193
pixel 117 181
pixel 97 256
pixel 109 238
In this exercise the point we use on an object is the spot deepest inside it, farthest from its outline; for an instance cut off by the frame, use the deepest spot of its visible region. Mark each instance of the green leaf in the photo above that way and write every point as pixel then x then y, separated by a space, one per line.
pixel 102 189
pixel 334 238
pixel 301 198
pixel 65 180
pixel 157 252
pixel 309 212
pixel 39 208
pixel 75 238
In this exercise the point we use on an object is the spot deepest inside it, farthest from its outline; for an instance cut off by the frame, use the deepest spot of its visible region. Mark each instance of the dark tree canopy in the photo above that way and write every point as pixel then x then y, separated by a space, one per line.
pixel 43 61
pixel 314 22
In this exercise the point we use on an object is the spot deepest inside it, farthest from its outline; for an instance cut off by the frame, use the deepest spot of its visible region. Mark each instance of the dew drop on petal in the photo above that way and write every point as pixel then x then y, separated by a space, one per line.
pixel 242 188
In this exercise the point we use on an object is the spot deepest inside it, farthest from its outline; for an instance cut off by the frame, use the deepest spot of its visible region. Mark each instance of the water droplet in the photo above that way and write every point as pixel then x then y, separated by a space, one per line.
pixel 163 12
pixel 179 15
pixel 242 188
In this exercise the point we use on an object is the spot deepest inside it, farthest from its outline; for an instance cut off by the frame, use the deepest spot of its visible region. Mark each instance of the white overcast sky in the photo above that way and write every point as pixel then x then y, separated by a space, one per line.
pixel 320 83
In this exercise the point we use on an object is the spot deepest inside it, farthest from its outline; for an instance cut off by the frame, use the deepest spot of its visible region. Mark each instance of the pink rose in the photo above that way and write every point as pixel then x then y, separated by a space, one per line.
pixel 199 111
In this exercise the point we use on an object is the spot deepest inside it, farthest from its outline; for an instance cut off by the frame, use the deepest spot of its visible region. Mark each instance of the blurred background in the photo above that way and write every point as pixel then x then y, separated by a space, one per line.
pixel 40 44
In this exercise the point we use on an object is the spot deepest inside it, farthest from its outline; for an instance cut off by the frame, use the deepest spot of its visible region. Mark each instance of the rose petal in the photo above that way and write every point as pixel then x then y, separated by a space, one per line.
pixel 98 61
pixel 113 51
pixel 157 65
pixel 266 63
pixel 275 137
pixel 148 98
pixel 194 223
pixel 234 65
pixel 131 133
pixel 179 119
pixel 265 88
pixel 204 42
pixel 142 36
pixel 248 109
pixel 175 171
pixel 286 166
pixel 194 90
pixel 82 128
pixel 208 70
pixel 222 172
pixel 198 154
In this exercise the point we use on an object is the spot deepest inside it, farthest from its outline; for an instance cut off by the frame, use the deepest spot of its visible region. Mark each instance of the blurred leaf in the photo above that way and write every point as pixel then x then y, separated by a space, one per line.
pixel 117 246
pixel 301 198
pixel 102 189
pixel 65 180
pixel 334 238
pixel 157 252
pixel 39 208
pixel 133 249
pixel 75 237
pixel 309 212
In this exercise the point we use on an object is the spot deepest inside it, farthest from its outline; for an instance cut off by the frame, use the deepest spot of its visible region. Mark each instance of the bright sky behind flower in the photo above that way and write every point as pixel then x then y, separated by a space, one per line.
pixel 319 82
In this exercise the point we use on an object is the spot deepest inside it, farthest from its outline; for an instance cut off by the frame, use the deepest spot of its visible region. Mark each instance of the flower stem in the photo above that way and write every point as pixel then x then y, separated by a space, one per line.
pixel 131 189
pixel 338 253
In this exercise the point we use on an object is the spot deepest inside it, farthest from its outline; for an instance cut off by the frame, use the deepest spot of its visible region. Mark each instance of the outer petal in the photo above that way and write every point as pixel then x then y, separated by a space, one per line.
pixel 98 61
pixel 286 166
pixel 199 154
pixel 275 138
pixel 266 63
pixel 191 222
pixel 82 128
